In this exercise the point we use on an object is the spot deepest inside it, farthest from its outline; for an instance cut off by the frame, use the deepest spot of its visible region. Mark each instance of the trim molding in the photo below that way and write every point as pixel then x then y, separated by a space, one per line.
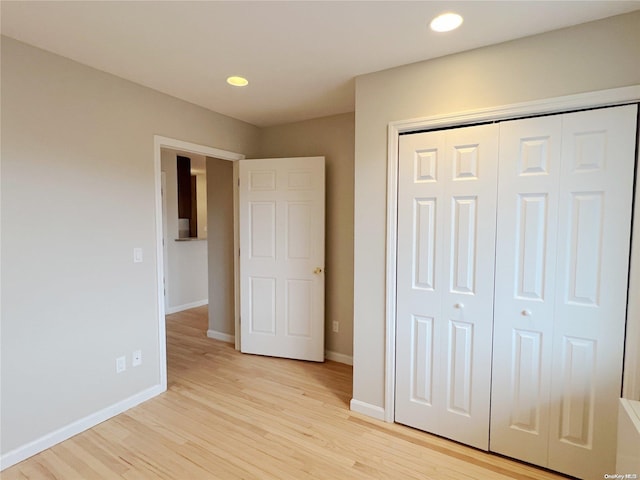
pixel 367 409
pixel 338 357
pixel 174 144
pixel 328 354
pixel 223 337
pixel 602 98
pixel 187 306
pixel 49 440
pixel 236 258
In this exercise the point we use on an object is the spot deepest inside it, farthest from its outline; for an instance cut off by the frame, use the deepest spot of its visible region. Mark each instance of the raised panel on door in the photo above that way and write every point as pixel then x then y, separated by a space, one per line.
pixel 446 234
pixel 529 179
pixel 261 317
pixel 281 207
pixel 590 306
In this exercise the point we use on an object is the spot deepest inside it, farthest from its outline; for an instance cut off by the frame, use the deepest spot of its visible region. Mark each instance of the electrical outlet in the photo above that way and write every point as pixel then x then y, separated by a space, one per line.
pixel 336 326
pixel 136 358
pixel 121 364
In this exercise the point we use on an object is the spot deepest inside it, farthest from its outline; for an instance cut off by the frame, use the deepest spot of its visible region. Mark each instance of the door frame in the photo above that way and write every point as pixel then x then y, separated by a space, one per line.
pixel 602 98
pixel 160 142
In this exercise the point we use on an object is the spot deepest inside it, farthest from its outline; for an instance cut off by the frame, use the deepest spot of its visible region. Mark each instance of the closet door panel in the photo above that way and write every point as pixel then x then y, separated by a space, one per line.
pixel 530 159
pixel 446 235
pixel 419 330
pixel 592 269
pixel 471 161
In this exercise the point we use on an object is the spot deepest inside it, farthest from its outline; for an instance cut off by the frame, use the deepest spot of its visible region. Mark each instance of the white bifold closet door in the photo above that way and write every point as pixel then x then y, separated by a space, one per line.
pixel 446 244
pixel 564 218
pixel 546 358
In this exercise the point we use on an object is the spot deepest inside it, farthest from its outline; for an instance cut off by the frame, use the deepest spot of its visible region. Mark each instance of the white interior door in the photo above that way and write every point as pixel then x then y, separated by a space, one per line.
pixel 281 220
pixel 446 246
pixel 564 220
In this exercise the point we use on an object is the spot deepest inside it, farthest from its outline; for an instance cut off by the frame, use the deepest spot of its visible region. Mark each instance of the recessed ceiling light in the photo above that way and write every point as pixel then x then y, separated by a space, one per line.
pixel 446 22
pixel 238 81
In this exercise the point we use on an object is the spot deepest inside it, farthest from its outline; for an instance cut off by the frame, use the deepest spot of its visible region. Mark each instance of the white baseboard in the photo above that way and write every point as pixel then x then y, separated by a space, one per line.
pixel 186 306
pixel 367 409
pixel 225 337
pixel 338 357
pixel 49 440
pixel 328 354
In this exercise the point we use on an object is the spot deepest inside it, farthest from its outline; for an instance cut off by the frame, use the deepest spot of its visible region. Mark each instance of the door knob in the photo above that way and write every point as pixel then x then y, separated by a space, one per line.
pixel 526 313
pixel 318 270
pixel 459 305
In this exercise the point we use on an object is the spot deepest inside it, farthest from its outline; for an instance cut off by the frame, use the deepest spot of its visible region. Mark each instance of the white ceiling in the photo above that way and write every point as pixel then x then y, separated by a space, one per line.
pixel 300 57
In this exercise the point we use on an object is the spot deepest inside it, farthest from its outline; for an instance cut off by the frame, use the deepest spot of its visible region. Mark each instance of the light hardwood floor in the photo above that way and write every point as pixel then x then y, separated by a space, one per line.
pixel 232 416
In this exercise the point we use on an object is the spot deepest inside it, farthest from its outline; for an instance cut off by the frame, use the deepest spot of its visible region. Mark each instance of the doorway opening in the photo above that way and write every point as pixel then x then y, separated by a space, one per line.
pixel 216 156
pixel 184 220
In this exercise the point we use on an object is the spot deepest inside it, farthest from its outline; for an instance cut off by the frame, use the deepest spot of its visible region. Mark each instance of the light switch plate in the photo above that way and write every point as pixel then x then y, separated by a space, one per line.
pixel 136 358
pixel 121 364
pixel 137 255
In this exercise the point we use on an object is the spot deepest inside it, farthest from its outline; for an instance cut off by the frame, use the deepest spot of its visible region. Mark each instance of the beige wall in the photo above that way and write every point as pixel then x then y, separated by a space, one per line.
pixel 594 56
pixel 77 196
pixel 201 199
pixel 331 137
pixel 220 245
pixel 186 263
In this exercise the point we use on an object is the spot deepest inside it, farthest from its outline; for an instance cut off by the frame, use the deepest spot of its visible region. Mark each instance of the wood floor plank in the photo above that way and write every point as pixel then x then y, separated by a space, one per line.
pixel 231 416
